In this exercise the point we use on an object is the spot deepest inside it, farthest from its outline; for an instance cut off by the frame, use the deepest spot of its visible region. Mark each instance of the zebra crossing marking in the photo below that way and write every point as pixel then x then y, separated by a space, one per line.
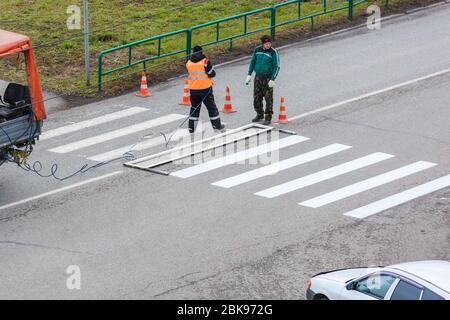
pixel 367 184
pixel 399 198
pixel 319 201
pixel 90 123
pixel 323 175
pixel 116 153
pixel 238 156
pixel 280 166
pixel 117 133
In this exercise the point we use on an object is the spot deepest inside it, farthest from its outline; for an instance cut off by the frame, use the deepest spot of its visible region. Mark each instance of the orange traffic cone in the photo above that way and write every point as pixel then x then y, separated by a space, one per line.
pixel 282 118
pixel 186 101
pixel 227 107
pixel 144 89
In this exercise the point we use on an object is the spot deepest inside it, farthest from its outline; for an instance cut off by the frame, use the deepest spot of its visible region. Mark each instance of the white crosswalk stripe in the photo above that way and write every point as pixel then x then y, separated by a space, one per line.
pixel 280 166
pixel 367 184
pixel 119 152
pixel 117 133
pixel 160 140
pixel 90 123
pixel 239 156
pixel 400 198
pixel 323 175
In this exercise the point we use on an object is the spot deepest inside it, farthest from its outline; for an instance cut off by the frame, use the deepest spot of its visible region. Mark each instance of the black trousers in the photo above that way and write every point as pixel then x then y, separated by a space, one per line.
pixel 196 104
pixel 262 91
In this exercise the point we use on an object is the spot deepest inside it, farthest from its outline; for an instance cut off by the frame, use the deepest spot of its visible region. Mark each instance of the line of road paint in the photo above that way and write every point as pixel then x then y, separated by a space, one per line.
pixel 238 156
pixel 324 175
pixel 91 123
pixel 367 184
pixel 399 198
pixel 72 186
pixel 281 165
pixel 117 133
pixel 139 146
pixel 368 95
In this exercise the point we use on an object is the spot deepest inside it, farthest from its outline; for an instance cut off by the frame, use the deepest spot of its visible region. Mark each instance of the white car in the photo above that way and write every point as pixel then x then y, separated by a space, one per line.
pixel 421 280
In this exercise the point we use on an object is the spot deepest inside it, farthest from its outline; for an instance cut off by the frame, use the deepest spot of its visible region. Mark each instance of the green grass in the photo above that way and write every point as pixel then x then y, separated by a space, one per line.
pixel 60 51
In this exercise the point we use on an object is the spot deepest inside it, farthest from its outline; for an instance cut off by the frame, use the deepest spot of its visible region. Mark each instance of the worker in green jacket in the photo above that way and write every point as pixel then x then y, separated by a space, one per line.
pixel 266 64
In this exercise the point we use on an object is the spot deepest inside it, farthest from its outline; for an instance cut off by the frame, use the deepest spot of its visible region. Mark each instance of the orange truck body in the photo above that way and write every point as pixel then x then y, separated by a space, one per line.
pixel 14 43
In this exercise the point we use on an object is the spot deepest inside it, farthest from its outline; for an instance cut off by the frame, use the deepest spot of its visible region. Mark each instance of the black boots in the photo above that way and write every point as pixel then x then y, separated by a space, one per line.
pixel 264 120
pixel 267 120
pixel 258 118
pixel 221 128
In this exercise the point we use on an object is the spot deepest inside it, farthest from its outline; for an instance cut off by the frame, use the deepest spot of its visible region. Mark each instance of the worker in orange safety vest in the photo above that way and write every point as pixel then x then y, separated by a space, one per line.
pixel 200 82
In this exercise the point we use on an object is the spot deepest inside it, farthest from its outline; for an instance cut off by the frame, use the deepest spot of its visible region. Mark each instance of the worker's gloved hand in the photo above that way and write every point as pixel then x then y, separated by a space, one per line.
pixel 247 81
pixel 271 84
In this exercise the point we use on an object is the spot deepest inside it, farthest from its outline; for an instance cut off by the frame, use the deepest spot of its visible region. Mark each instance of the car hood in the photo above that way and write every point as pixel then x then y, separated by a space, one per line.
pixel 346 275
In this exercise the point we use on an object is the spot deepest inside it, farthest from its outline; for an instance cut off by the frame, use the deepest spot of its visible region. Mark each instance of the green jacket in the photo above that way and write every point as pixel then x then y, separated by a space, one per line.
pixel 265 63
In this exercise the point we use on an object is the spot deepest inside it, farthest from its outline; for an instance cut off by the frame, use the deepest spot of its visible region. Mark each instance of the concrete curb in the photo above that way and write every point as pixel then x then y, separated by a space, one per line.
pixel 427 7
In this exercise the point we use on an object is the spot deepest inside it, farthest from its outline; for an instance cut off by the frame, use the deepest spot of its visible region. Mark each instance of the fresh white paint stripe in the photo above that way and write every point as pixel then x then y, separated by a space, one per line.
pixel 280 166
pixel 367 184
pixel 117 153
pixel 117 133
pixel 370 94
pixel 400 198
pixel 324 175
pixel 238 156
pixel 72 186
pixel 90 123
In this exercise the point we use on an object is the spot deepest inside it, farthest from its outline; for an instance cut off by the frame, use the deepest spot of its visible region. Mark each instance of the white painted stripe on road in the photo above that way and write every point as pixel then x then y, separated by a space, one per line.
pixel 280 166
pixel 117 133
pixel 90 123
pixel 117 153
pixel 400 198
pixel 238 156
pixel 367 184
pixel 368 95
pixel 46 194
pixel 324 175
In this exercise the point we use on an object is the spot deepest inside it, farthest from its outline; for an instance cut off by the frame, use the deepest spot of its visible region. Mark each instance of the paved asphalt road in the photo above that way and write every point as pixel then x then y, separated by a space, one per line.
pixel 140 235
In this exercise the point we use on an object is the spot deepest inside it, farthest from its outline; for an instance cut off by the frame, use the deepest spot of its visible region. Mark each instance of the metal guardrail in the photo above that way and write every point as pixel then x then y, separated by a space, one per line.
pixel 189 32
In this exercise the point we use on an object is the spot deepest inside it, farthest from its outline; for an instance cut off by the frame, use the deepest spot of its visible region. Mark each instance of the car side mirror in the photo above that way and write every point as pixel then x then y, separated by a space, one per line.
pixel 350 285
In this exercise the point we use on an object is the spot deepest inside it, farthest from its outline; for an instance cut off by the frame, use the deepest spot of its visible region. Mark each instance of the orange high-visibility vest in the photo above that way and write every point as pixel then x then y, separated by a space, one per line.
pixel 198 78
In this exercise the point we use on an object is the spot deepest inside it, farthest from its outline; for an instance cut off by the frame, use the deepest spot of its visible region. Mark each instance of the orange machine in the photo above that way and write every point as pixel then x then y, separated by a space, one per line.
pixel 13 43
pixel 22 109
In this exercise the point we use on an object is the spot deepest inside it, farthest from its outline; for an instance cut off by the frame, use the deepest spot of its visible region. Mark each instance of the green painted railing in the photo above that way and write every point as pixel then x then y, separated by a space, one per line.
pixel 189 32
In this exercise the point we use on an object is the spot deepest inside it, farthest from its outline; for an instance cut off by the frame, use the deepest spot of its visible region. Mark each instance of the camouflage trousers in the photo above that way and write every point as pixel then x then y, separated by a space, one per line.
pixel 262 91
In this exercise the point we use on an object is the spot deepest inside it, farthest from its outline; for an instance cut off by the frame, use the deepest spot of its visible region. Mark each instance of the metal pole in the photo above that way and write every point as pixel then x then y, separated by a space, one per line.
pixel 188 43
pixel 350 9
pixel 86 43
pixel 273 23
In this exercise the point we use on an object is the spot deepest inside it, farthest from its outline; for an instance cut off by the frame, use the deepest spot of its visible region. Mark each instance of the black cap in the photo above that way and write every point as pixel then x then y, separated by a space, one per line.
pixel 265 39
pixel 197 49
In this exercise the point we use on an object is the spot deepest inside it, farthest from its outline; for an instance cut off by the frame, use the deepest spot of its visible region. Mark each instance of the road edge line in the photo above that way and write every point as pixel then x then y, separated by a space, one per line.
pixel 370 94
pixel 69 187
